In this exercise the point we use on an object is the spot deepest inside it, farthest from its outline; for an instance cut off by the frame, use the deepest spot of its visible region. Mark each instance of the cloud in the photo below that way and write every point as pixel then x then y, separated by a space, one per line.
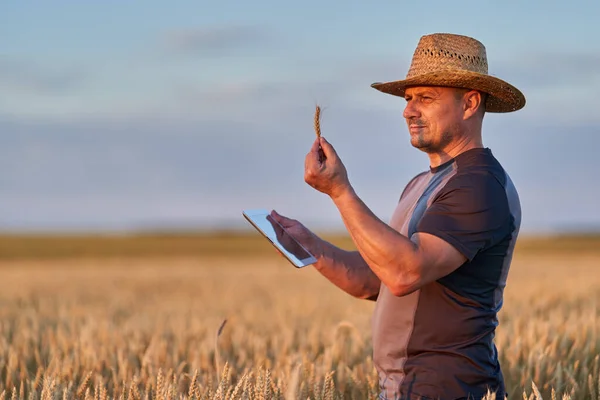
pixel 336 86
pixel 27 76
pixel 139 171
pixel 142 171
pixel 213 41
pixel 256 98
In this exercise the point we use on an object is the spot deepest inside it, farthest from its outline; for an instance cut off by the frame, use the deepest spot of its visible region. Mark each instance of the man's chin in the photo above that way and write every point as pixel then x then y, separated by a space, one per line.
pixel 424 147
pixel 419 144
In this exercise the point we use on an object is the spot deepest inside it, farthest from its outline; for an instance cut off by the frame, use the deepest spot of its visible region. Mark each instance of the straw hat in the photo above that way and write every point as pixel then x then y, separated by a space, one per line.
pixel 444 59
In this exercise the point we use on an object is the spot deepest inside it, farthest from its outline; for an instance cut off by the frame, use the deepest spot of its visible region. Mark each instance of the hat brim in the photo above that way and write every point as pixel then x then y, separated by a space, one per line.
pixel 502 96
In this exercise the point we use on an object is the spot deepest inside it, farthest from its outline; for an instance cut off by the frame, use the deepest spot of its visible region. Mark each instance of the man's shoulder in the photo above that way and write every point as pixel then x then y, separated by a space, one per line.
pixel 413 182
pixel 480 167
pixel 416 178
pixel 474 186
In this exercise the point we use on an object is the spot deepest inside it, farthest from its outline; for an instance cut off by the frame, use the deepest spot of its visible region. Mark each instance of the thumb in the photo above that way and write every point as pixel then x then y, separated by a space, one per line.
pixel 275 215
pixel 327 148
pixel 284 221
pixel 278 217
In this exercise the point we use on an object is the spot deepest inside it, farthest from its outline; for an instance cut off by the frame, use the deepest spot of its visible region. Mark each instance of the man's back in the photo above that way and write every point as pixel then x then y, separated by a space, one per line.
pixel 437 342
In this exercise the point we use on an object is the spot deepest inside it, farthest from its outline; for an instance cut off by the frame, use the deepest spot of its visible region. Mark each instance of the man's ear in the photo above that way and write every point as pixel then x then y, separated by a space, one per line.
pixel 474 103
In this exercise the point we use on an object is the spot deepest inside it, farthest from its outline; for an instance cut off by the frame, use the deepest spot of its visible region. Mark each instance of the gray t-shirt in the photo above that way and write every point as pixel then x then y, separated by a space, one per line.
pixel 437 342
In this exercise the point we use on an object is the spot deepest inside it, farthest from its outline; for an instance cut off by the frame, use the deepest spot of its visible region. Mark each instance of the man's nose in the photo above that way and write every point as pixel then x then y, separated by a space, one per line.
pixel 410 111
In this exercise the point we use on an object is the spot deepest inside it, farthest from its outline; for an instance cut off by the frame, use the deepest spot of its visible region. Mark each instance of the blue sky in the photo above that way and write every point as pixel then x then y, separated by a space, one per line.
pixel 126 115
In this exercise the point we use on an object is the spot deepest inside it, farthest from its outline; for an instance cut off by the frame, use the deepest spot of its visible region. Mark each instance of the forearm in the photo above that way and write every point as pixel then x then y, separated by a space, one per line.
pixel 348 271
pixel 390 255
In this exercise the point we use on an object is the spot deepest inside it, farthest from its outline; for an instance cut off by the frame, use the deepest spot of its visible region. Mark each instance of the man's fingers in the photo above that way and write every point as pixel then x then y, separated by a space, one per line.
pixel 312 163
pixel 327 148
pixel 313 156
pixel 277 217
pixel 315 146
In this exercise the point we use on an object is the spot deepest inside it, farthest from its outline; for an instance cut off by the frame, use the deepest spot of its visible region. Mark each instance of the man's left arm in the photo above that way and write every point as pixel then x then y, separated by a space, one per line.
pixel 403 265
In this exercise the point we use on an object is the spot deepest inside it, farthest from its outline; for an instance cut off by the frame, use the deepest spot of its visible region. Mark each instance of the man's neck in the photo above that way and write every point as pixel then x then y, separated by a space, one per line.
pixel 452 150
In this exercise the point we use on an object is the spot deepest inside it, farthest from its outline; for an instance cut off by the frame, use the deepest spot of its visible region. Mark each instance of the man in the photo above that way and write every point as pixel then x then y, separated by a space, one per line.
pixel 438 270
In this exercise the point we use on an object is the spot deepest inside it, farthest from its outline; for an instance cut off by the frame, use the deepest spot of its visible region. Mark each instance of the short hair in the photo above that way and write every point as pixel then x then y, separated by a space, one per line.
pixel 460 92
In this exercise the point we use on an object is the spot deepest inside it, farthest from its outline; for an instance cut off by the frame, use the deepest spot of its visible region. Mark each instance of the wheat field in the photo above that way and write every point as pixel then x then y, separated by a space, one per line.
pixel 225 325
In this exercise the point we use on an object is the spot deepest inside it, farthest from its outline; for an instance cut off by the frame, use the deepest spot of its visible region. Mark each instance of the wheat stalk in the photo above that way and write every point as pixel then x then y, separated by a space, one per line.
pixel 82 349
pixel 239 387
pixel 318 121
pixel 292 389
pixel 159 385
pixel 83 386
pixel 192 389
pixel 217 353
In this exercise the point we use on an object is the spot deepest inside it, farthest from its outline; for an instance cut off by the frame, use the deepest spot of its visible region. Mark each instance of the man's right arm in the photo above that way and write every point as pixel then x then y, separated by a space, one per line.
pixel 347 270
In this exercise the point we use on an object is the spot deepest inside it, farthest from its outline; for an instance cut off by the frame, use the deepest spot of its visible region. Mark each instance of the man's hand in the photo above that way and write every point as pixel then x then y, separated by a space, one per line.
pixel 327 175
pixel 345 269
pixel 285 239
pixel 299 232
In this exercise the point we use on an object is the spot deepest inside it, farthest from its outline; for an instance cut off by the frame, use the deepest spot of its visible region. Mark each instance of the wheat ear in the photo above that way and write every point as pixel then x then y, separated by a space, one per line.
pixel 217 353
pixel 318 121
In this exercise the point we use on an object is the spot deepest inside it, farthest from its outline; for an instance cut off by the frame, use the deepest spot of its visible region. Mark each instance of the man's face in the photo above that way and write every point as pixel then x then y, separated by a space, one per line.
pixel 434 116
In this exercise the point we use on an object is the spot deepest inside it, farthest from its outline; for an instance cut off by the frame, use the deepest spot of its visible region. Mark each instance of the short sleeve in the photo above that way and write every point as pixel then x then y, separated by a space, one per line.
pixel 411 184
pixel 470 212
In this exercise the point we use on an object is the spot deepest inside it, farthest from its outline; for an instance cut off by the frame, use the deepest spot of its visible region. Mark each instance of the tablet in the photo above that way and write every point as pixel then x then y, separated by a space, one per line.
pixel 277 235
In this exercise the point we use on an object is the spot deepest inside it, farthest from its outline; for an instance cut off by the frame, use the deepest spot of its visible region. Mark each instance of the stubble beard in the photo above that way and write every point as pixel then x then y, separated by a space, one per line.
pixel 425 141
pixel 426 144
